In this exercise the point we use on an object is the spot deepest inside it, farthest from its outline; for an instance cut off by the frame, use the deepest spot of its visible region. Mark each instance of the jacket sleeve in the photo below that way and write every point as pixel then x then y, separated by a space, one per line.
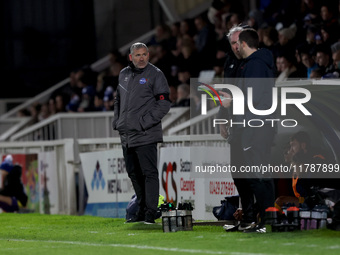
pixel 116 110
pixel 162 103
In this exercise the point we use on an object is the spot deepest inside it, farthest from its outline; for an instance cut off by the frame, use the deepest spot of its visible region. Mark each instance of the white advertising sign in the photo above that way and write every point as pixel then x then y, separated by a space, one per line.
pixel 108 185
pixel 181 181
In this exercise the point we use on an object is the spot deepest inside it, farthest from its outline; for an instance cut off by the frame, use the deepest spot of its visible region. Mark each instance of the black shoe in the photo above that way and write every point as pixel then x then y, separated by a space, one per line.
pixel 137 218
pixel 149 219
pixel 257 229
pixel 246 225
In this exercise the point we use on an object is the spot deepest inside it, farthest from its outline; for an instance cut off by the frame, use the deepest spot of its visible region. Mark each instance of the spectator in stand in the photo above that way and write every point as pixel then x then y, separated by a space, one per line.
pixel 327 36
pixel 162 59
pixel 98 102
pixel 44 112
pixel 308 61
pixel 323 58
pixel 219 67
pixel 311 34
pixel 108 99
pixel 112 78
pixel 278 66
pixel 205 41
pixel 187 28
pixel 189 57
pixel 60 103
pixel 288 67
pixel 286 39
pixel 316 73
pixel 184 75
pixel 311 10
pixel 255 19
pixel 100 85
pixel 73 104
pixel 328 13
pixel 335 72
pixel 270 40
pixel 23 113
pixel 336 55
pixel 173 94
pixel 51 106
pixel 231 20
pixel 115 56
pixel 34 110
pixel 281 13
pixel 183 96
pixel 73 86
pixel 163 34
pixel 301 68
pixel 87 99
pixel 175 29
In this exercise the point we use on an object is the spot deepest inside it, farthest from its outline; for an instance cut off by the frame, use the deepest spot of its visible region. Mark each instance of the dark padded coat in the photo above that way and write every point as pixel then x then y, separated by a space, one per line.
pixel 141 102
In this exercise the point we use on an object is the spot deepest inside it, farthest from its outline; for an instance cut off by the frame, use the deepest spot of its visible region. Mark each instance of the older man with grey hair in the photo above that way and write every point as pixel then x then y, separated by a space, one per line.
pixel 142 100
pixel 336 55
pixel 233 59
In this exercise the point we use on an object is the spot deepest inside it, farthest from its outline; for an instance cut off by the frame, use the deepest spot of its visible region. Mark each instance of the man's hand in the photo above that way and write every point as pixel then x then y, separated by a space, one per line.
pixel 238 215
pixel 227 99
pixel 224 131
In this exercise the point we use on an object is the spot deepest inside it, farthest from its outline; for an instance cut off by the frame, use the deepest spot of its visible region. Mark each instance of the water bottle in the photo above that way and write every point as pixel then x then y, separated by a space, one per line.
pixel 271 219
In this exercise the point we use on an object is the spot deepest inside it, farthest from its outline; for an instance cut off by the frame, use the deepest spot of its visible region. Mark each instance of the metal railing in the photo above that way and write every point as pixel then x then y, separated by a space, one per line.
pixel 10 126
pixel 87 125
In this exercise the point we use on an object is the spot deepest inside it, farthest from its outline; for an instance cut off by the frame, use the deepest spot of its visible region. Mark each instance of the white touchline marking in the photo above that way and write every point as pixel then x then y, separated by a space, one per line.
pixel 334 247
pixel 144 247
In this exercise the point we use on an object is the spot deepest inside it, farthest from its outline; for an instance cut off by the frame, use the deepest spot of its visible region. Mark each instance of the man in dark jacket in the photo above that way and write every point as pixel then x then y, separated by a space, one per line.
pixel 232 73
pixel 231 65
pixel 141 102
pixel 252 144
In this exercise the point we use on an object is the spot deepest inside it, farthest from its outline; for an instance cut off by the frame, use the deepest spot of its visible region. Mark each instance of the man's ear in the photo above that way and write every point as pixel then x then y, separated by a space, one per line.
pixel 130 57
pixel 303 146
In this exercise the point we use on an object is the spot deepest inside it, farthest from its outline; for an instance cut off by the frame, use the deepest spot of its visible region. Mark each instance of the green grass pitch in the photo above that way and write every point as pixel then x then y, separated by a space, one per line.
pixel 63 234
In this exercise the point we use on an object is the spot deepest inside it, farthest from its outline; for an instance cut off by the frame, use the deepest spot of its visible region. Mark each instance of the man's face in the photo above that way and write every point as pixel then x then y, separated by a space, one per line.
pixel 139 57
pixel 322 59
pixel 307 60
pixel 295 147
pixel 234 44
pixel 336 59
pixel 325 14
pixel 241 50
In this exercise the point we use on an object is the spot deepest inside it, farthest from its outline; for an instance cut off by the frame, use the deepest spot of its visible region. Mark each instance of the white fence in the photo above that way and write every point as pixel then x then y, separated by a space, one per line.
pixel 87 125
pixel 70 181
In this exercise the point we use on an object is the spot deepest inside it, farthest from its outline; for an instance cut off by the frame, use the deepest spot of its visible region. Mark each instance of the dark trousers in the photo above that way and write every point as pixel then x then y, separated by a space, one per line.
pixel 141 166
pixel 251 147
pixel 243 188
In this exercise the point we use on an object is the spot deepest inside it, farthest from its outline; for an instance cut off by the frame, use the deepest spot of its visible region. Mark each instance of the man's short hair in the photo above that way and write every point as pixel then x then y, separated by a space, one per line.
pixel 335 47
pixel 250 37
pixel 137 46
pixel 301 137
pixel 323 48
pixel 234 29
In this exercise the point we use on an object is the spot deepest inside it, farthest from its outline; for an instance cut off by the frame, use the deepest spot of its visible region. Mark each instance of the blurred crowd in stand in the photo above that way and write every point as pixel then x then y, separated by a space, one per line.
pixel 303 36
